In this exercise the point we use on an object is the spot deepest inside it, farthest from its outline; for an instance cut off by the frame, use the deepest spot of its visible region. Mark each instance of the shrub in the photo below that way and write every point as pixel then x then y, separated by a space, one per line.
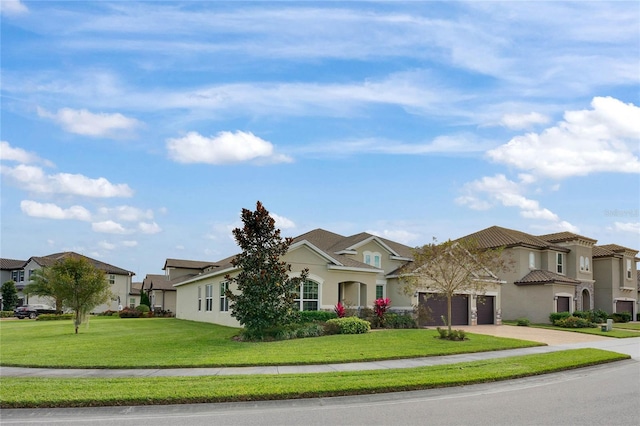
pixel 129 313
pixel 455 335
pixel 380 307
pixel 621 317
pixel 340 310
pixel 350 325
pixel 6 314
pixel 365 314
pixel 54 317
pixel 558 316
pixel 523 322
pixel 394 320
pixel 596 316
pixel 315 316
pixel 574 322
pixel 143 308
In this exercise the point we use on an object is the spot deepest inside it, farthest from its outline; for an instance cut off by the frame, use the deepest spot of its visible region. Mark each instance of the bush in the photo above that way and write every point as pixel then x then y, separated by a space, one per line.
pixel 380 308
pixel 558 316
pixel 6 314
pixel 523 322
pixel 54 317
pixel 394 320
pixel 621 317
pixel 596 316
pixel 143 308
pixel 574 322
pixel 455 335
pixel 315 316
pixel 350 325
pixel 129 313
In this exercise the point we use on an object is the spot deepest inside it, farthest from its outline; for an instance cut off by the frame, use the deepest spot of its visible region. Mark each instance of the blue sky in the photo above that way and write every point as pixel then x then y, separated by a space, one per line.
pixel 135 132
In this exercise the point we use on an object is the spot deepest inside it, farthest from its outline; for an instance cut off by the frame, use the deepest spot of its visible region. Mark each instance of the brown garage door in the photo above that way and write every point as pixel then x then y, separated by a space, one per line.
pixel 436 307
pixel 486 307
pixel 624 306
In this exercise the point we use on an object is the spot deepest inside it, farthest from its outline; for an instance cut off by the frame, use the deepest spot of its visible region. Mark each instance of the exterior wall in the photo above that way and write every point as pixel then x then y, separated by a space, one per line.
pixel 612 283
pixel 165 300
pixel 534 302
pixel 174 273
pixel 187 302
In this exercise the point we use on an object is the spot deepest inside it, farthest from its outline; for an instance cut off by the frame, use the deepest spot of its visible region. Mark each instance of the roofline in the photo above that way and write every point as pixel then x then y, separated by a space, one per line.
pixel 208 275
pixel 322 253
pixel 355 269
pixel 371 238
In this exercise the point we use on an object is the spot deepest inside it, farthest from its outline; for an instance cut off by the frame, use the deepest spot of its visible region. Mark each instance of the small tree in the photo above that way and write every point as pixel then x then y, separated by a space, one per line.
pixel 266 293
pixel 144 299
pixel 453 267
pixel 9 296
pixel 74 283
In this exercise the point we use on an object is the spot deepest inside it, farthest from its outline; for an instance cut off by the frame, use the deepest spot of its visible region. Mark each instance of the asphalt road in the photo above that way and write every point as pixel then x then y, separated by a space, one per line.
pixel 602 395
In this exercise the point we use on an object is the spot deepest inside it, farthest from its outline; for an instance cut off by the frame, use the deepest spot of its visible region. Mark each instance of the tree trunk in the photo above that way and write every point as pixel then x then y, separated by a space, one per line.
pixel 76 322
pixel 449 312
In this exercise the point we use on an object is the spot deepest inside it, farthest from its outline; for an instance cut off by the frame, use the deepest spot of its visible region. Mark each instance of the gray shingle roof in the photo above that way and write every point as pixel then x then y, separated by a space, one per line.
pixel 496 236
pixel 188 264
pixel 51 259
pixel 161 282
pixel 11 264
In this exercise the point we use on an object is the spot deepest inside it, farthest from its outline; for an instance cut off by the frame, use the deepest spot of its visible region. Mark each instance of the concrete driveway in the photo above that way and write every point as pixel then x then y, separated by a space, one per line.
pixel 550 337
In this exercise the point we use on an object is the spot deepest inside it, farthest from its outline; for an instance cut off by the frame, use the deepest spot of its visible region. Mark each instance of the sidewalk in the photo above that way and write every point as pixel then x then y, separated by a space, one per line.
pixel 630 346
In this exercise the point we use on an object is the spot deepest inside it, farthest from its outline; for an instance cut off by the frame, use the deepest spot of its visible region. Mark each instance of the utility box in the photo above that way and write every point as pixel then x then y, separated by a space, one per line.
pixel 609 324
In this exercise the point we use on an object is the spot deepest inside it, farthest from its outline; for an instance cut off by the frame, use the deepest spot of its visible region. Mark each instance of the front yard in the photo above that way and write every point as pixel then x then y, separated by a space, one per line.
pixel 111 342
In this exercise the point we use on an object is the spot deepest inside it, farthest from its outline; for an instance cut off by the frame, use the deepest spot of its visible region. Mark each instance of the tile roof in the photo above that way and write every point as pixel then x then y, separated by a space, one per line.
pixel 539 276
pixel 560 237
pixel 12 264
pixel 496 236
pixel 51 259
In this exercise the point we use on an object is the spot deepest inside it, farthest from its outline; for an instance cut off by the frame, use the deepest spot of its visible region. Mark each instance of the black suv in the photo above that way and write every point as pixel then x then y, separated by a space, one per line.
pixel 32 311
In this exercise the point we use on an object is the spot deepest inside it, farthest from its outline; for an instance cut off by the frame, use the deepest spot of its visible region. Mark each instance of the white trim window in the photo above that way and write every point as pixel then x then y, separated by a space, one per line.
pixel 560 263
pixel 532 260
pixel 582 265
pixel 310 300
pixel 587 266
pixel 224 300
pixel 629 269
pixel 208 297
pixel 112 279
pixel 199 297
pixel 379 291
pixel 373 258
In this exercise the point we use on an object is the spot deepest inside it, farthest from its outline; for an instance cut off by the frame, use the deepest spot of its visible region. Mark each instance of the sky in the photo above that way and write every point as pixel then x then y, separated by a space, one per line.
pixel 133 132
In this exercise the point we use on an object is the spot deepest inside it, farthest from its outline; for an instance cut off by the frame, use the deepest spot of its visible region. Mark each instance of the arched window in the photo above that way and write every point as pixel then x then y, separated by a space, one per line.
pixel 532 260
pixel 587 267
pixel 310 296
pixel 582 263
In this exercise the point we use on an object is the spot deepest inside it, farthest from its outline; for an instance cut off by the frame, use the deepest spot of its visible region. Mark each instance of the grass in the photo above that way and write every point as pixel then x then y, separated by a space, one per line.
pixel 619 334
pixel 627 325
pixel 47 392
pixel 168 342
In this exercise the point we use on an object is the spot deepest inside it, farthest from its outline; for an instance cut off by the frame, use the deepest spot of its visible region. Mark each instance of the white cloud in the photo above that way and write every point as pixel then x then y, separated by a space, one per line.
pixel 32 178
pixel 127 213
pixel 84 122
pixel 224 148
pixel 52 211
pixel 603 139
pixel 508 193
pixel 109 227
pixel 130 243
pixel 282 222
pixel 149 228
pixel 633 227
pixel 398 235
pixel 106 245
pixel 523 121
pixel 9 153
pixel 13 7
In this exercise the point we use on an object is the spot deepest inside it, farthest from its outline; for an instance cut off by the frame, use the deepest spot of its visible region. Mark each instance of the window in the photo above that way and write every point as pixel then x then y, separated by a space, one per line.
pixel 582 265
pixel 367 259
pixel 532 260
pixel 31 271
pixel 224 301
pixel 629 268
pixel 17 276
pixel 309 299
pixel 132 302
pixel 372 258
pixel 587 267
pixel 208 297
pixel 560 263
pixel 379 291
pixel 199 298
pixel 112 279
pixel 376 260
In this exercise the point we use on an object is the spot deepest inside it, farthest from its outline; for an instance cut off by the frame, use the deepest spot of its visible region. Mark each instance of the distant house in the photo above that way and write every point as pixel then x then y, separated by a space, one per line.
pixel 119 279
pixel 616 278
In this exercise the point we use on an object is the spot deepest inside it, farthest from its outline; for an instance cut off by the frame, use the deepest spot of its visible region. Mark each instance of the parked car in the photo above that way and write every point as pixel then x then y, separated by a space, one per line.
pixel 32 311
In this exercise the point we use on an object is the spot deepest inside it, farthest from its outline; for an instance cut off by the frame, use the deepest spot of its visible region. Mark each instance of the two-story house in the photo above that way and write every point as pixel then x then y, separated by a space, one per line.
pixel 118 278
pixel 616 279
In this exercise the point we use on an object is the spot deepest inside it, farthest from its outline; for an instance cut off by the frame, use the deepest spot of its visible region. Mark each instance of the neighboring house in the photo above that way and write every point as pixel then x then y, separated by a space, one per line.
pixel 12 270
pixel 119 279
pixel 616 279
pixel 134 295
pixel 560 272
pixel 162 293
pixel 354 270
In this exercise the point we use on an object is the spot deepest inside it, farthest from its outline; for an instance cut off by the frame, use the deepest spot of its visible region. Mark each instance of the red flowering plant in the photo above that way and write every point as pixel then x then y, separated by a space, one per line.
pixel 340 310
pixel 380 307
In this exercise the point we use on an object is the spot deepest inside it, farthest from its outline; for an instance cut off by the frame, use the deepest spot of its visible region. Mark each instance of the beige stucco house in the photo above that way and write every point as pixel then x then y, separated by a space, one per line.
pixel 561 272
pixel 118 278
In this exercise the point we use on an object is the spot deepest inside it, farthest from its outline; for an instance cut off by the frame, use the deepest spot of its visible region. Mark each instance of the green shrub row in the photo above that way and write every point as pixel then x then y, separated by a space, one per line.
pixel 315 316
pixel 594 317
pixel 574 322
pixel 393 320
pixel 54 317
pixel 6 314
pixel 457 335
pixel 621 317
pixel 347 325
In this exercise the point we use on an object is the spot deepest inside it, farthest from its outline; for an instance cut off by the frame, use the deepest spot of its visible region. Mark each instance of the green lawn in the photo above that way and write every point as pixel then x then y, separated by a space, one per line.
pixel 166 342
pixel 627 325
pixel 44 392
pixel 620 334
